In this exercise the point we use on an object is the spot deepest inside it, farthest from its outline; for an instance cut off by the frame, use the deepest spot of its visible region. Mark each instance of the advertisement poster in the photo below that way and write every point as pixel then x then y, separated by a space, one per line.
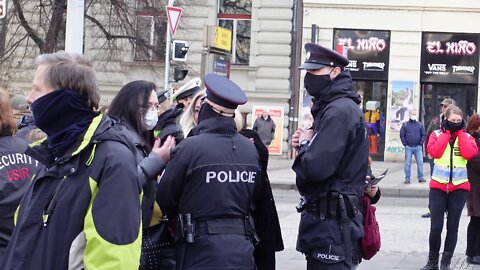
pixel 398 113
pixel 449 58
pixel 262 126
pixel 367 50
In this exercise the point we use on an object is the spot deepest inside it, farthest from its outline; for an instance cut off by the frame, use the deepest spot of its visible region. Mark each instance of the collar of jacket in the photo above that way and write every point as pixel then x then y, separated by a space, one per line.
pixel 219 125
pixel 39 150
pixel 341 87
pixel 136 139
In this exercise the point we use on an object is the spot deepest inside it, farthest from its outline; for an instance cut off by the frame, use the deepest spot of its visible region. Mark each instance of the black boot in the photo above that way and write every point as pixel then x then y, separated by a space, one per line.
pixel 432 263
pixel 446 260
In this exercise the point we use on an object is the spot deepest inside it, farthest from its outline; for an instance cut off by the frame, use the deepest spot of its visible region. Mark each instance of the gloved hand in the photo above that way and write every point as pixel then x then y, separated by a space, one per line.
pixel 444 125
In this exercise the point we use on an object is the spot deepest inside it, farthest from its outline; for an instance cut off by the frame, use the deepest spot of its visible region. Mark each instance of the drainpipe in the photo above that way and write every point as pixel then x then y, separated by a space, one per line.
pixel 297 30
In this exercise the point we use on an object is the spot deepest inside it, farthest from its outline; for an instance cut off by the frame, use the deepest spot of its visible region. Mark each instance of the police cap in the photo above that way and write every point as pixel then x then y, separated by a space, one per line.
pixel 224 92
pixel 161 96
pixel 320 57
pixel 187 90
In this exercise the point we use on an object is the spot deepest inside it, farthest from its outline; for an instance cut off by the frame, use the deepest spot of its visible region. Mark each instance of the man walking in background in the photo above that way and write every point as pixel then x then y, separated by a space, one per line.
pixel 412 135
pixel 265 127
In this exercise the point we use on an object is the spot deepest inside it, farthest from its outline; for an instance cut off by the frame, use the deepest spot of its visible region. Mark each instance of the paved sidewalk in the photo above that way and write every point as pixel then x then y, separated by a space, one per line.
pixel 282 177
pixel 381 261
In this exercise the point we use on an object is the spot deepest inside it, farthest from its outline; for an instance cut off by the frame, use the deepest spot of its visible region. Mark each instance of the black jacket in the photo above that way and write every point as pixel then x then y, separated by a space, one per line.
pixel 335 160
pixel 214 174
pixel 81 207
pixel 25 125
pixel 16 171
pixel 265 214
pixel 265 129
pixel 167 125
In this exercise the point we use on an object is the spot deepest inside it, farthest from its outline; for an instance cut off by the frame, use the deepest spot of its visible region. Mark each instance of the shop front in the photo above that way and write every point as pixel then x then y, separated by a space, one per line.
pixel 448 69
pixel 368 52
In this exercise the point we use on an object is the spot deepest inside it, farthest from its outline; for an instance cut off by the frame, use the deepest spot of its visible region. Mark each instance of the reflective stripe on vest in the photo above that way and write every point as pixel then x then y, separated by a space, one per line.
pixel 442 168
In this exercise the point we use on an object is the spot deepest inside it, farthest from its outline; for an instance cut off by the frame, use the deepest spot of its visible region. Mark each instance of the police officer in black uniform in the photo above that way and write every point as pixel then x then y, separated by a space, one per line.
pixel 331 165
pixel 210 185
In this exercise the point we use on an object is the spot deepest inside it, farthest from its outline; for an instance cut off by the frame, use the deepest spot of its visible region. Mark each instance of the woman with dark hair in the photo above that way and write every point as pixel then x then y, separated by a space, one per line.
pixel 136 106
pixel 16 170
pixel 473 199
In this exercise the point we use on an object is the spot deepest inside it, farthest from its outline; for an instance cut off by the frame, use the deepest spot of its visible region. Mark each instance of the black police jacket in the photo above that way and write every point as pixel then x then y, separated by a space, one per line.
pixel 210 175
pixel 335 159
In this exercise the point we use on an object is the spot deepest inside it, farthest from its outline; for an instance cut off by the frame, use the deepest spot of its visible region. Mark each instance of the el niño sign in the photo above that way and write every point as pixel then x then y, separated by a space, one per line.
pixel 364 44
pixel 367 50
pixel 449 58
pixel 463 47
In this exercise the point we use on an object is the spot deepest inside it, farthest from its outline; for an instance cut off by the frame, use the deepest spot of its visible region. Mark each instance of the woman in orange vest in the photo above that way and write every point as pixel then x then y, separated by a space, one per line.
pixel 451 147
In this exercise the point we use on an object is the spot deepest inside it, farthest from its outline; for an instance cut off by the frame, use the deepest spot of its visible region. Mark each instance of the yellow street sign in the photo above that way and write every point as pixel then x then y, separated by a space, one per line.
pixel 223 39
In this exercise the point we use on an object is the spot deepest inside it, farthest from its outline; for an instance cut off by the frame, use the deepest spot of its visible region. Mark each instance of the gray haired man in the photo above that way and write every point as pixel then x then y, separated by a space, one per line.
pixel 71 216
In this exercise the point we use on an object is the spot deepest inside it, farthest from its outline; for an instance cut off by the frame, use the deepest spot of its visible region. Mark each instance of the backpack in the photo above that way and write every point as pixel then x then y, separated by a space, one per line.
pixel 371 240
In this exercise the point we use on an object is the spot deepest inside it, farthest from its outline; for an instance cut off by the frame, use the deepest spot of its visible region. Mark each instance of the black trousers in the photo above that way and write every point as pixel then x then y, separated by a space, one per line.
pixel 453 203
pixel 473 237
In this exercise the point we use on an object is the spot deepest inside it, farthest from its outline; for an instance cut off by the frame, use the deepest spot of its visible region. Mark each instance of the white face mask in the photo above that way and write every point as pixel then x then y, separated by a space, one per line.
pixel 149 120
pixel 413 117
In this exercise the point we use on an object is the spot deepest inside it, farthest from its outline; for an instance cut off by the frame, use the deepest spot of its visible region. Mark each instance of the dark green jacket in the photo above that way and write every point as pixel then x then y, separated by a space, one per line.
pixel 82 211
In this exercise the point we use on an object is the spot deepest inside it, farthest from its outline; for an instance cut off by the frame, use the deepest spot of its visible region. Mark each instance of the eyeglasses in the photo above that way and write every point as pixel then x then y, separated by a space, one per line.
pixel 153 106
pixel 443 105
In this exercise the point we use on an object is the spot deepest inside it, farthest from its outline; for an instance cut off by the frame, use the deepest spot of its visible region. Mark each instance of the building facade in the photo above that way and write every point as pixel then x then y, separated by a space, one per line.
pixel 260 59
pixel 404 55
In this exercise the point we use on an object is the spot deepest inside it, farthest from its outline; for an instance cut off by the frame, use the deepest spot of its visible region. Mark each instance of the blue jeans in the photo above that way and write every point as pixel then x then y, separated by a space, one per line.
pixel 418 153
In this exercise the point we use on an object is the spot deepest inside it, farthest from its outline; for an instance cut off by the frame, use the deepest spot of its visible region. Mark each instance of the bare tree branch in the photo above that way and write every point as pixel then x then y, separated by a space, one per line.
pixel 107 34
pixel 51 38
pixel 31 33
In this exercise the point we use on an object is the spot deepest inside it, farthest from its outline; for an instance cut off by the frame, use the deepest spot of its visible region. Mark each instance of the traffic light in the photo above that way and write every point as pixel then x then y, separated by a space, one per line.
pixel 180 49
pixel 179 73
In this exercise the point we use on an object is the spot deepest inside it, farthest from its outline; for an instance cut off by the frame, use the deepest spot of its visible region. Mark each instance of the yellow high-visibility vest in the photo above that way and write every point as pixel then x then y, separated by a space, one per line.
pixel 450 163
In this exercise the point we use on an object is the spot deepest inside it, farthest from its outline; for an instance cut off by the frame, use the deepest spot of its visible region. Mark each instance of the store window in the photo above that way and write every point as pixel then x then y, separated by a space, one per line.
pixel 465 97
pixel 236 16
pixel 375 94
pixel 151 26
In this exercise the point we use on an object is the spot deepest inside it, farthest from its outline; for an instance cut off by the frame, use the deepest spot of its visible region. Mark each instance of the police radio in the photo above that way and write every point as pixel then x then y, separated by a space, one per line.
pixel 189 229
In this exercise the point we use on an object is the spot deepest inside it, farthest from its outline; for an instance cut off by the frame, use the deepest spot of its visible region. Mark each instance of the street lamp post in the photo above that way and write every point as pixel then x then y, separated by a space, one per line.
pixel 75 26
pixel 167 55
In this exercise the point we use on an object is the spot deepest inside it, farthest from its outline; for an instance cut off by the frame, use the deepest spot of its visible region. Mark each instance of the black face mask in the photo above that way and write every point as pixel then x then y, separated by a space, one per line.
pixel 454 126
pixel 316 83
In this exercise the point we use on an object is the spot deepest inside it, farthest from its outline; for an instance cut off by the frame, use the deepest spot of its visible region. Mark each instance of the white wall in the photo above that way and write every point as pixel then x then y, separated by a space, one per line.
pixel 405 19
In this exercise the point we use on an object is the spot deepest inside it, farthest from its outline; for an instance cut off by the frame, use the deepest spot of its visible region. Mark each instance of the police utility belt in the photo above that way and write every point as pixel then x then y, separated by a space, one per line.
pixel 330 205
pixel 187 229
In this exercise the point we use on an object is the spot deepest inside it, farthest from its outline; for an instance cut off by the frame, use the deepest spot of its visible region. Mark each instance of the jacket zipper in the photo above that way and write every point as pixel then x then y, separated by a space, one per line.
pixel 451 164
